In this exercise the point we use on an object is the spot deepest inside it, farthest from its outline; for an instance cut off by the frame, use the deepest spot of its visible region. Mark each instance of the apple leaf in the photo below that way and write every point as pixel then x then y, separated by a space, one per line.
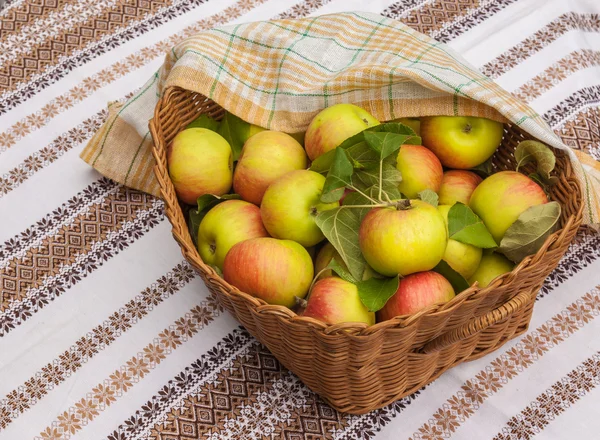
pixel 483 169
pixel 363 154
pixel 459 283
pixel 385 143
pixel 232 129
pixel 204 204
pixel 341 271
pixel 466 227
pixel 429 196
pixel 369 177
pixel 340 226
pixel 355 198
pixel 338 177
pixel 534 151
pixel 528 233
pixel 375 292
pixel 322 163
pixel 204 121
pixel 217 269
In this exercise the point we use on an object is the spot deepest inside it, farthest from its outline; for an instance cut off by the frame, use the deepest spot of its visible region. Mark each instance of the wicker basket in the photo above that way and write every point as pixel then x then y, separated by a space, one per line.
pixel 358 368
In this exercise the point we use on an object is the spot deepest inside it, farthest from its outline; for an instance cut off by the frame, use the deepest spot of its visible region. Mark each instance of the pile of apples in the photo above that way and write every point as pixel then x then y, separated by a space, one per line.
pixel 258 228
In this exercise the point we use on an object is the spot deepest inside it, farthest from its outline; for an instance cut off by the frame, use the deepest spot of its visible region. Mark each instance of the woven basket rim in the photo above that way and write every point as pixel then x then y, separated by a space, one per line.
pixel 350 329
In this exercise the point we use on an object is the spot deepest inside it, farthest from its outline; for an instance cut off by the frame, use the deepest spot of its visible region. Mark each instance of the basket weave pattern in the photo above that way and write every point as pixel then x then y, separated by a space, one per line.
pixel 358 368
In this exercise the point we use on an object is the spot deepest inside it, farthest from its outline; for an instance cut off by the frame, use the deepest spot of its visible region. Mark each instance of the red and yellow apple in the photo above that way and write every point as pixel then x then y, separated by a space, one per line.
pixel 333 125
pixel 457 186
pixel 324 257
pixel 200 162
pixel 420 170
pixel 502 197
pixel 416 292
pixel 463 258
pixel 403 240
pixel 225 225
pixel 290 205
pixel 461 141
pixel 492 265
pixel 265 157
pixel 274 270
pixel 333 301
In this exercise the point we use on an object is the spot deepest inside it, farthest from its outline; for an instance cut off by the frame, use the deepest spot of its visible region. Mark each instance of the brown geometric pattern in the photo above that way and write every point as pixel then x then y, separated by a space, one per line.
pixel 583 132
pixel 66 43
pixel 554 401
pixel 14 19
pixel 500 371
pixel 71 241
pixel 432 18
pixel 540 39
pixel 93 342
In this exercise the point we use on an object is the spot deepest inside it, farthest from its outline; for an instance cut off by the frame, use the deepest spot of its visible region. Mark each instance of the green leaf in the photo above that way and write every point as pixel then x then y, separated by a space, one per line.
pixel 204 204
pixel 234 130
pixel 534 151
pixel 375 292
pixel 341 271
pixel 355 198
pixel 363 154
pixel 322 163
pixel 385 143
pixel 369 177
pixel 484 169
pixel 466 227
pixel 217 270
pixel 340 226
pixel 338 177
pixel 204 121
pixel 527 235
pixel 429 196
pixel 459 283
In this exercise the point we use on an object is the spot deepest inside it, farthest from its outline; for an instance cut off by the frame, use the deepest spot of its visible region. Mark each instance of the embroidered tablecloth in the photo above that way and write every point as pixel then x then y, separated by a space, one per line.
pixel 105 332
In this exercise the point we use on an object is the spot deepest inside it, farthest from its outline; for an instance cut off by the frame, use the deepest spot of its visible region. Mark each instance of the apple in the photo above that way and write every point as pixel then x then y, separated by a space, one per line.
pixel 492 265
pixel 416 292
pixel 265 157
pixel 502 197
pixel 324 257
pixel 290 204
pixel 414 123
pixel 274 270
pixel 420 170
pixel 225 225
pixel 333 125
pixel 200 162
pixel 298 136
pixel 457 186
pixel 463 258
pixel 461 141
pixel 405 239
pixel 333 300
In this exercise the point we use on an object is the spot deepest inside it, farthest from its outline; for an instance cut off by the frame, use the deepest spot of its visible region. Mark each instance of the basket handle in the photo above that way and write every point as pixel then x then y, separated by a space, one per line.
pixel 478 324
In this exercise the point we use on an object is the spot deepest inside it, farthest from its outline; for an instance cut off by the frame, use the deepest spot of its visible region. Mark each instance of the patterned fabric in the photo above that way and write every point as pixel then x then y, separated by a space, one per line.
pixel 278 74
pixel 106 333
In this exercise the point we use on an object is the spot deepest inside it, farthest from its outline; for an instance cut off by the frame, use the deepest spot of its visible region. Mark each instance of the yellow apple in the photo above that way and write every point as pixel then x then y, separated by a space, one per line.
pixel 420 170
pixel 491 266
pixel 457 186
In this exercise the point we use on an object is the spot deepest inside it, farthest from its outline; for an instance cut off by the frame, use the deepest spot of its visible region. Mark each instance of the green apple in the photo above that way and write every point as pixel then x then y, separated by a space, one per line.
pixel 461 141
pixel 501 198
pixel 265 157
pixel 332 126
pixel 274 270
pixel 457 186
pixel 403 240
pixel 463 258
pixel 290 205
pixel 333 301
pixel 225 225
pixel 491 266
pixel 420 170
pixel 417 292
pixel 200 162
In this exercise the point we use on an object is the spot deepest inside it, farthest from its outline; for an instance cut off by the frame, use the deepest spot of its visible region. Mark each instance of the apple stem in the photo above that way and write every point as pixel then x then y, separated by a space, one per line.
pixel 301 302
pixel 212 248
pixel 403 204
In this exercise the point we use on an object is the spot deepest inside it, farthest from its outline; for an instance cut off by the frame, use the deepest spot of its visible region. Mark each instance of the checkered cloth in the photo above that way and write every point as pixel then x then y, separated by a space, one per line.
pixel 278 74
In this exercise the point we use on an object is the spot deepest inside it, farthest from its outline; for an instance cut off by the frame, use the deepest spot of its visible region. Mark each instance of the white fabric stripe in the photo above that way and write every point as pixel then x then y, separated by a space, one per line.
pixel 358 5
pixel 84 306
pixel 117 354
